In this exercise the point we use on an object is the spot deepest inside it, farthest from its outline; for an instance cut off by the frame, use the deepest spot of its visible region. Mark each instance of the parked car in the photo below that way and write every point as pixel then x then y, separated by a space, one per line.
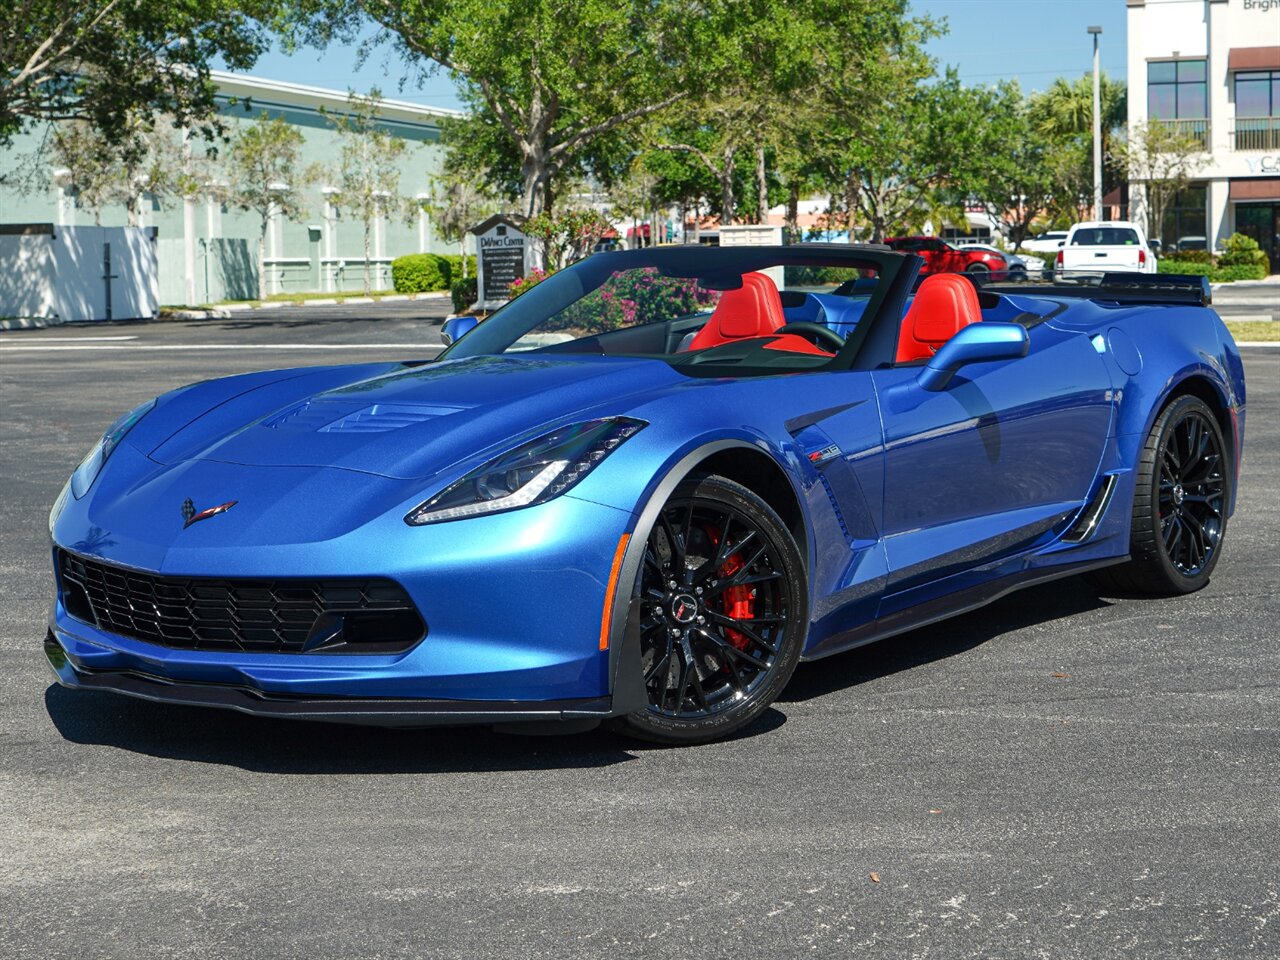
pixel 1047 242
pixel 1192 243
pixel 1105 246
pixel 1020 268
pixel 941 257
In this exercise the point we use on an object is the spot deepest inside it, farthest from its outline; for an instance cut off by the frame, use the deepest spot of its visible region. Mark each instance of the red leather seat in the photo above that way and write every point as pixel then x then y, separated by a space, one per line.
pixel 753 310
pixel 944 304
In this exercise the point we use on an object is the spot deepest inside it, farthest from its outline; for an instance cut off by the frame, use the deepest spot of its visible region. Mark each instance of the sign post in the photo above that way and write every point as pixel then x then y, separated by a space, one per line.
pixel 502 257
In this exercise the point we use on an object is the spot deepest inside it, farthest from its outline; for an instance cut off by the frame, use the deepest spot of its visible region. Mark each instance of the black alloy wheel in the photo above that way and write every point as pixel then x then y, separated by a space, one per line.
pixel 1179 505
pixel 722 613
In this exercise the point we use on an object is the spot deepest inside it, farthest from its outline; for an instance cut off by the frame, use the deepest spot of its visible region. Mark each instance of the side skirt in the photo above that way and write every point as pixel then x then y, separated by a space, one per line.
pixel 952 605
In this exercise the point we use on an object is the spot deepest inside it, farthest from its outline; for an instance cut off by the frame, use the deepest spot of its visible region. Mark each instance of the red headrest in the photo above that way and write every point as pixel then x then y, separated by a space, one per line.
pixel 753 310
pixel 944 304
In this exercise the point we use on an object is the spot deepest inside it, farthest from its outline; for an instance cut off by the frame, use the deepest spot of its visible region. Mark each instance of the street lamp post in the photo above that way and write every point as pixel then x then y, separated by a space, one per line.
pixel 1097 128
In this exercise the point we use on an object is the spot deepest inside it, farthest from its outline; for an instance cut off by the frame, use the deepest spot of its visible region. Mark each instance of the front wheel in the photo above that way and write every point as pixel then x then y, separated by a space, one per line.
pixel 1179 505
pixel 723 612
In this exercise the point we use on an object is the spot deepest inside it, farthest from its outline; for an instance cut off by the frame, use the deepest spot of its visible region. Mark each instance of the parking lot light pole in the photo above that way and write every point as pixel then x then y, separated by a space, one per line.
pixel 1097 128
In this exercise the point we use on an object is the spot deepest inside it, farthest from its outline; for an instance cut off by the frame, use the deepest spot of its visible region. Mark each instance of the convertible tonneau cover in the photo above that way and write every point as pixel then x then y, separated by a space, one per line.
pixel 1120 288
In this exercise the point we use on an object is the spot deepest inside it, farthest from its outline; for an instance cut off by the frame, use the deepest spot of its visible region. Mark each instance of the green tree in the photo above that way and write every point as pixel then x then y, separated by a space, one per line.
pixel 566 236
pixel 904 150
pixel 1161 159
pixel 553 77
pixel 149 160
pixel 1063 116
pixel 109 62
pixel 368 168
pixel 1017 183
pixel 266 177
pixel 460 199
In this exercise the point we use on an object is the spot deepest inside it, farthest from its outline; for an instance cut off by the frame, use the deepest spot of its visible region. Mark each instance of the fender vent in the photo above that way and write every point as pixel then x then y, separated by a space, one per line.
pixel 1092 514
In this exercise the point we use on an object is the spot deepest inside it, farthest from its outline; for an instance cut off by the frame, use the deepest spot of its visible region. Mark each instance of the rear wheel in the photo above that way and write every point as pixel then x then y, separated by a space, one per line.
pixel 1179 505
pixel 722 613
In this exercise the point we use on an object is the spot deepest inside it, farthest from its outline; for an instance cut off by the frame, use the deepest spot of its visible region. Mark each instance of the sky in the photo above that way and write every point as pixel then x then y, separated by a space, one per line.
pixel 1032 41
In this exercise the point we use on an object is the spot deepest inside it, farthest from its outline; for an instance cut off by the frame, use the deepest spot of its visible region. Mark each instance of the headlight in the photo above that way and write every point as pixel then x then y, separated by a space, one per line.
pixel 91 465
pixel 532 473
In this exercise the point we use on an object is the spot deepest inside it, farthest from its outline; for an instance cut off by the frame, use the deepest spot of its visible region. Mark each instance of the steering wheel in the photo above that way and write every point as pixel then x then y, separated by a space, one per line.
pixel 820 334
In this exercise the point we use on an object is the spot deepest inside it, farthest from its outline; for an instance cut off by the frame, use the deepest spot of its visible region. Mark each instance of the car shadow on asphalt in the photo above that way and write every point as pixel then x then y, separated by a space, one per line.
pixel 946 638
pixel 301 747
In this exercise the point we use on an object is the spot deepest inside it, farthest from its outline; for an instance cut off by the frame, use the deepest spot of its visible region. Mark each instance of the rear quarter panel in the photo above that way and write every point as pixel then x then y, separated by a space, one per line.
pixel 1155 352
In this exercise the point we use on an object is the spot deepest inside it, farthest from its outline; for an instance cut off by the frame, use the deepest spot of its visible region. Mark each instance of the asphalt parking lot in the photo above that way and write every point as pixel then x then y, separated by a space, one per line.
pixel 1057 775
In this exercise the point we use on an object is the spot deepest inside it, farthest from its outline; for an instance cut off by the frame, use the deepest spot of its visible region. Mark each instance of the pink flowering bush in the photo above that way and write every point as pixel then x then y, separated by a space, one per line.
pixel 527 282
pixel 633 297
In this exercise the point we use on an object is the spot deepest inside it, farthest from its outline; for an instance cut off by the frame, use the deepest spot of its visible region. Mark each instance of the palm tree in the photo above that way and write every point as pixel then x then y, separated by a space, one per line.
pixel 1064 113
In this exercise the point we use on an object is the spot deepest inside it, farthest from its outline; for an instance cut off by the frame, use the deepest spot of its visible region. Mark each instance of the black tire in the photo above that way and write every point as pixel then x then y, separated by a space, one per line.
pixel 977 269
pixel 738 611
pixel 1180 495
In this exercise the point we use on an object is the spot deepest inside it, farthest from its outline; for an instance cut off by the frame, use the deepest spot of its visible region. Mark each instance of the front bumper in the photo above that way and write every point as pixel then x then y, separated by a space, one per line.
pixel 383 712
pixel 513 603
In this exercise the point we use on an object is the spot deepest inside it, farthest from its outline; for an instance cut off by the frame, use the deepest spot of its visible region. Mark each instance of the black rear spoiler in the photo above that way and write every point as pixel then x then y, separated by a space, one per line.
pixel 1117 287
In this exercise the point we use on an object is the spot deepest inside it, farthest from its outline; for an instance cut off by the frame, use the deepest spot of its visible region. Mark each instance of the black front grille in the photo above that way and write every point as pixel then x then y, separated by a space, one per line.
pixel 268 616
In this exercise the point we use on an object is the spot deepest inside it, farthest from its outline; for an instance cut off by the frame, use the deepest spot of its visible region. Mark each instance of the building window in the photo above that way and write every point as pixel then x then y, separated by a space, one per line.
pixel 1257 110
pixel 1185 224
pixel 1178 95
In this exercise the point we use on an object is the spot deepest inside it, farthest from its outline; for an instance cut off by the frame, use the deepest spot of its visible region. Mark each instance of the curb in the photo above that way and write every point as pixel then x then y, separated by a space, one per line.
pixel 30 323
pixel 218 313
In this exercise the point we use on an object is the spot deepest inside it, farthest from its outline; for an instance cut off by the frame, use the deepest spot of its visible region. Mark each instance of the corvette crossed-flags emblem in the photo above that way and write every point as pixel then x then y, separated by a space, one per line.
pixel 190 516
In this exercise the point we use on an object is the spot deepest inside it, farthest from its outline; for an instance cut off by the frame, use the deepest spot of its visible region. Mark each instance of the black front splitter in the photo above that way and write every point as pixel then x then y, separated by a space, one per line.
pixel 382 712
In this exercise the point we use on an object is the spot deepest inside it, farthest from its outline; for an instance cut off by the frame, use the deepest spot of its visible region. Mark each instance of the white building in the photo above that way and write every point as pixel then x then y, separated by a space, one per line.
pixel 1212 67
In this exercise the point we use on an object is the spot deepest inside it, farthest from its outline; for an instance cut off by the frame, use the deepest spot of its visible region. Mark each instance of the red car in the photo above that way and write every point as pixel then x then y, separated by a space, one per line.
pixel 941 257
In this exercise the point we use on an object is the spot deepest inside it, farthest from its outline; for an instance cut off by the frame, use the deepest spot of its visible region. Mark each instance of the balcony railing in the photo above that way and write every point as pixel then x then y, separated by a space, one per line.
pixel 1197 130
pixel 1256 133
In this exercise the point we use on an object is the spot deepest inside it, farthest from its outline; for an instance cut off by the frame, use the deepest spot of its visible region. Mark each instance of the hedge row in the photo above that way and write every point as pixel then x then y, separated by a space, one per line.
pixel 1241 259
pixel 1216 274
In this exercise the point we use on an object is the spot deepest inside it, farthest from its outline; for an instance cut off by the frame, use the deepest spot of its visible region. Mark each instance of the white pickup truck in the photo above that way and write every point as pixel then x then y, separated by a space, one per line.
pixel 1105 246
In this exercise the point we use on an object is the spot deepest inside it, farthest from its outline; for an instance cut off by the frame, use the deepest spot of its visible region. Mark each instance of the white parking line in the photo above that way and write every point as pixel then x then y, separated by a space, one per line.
pixel 69 339
pixel 19 348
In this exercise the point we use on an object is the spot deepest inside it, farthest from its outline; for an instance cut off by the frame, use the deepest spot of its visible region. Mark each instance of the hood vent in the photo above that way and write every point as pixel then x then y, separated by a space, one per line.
pixel 322 417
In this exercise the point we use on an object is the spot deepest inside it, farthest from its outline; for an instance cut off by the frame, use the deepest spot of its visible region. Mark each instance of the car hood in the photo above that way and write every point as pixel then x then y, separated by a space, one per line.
pixel 411 423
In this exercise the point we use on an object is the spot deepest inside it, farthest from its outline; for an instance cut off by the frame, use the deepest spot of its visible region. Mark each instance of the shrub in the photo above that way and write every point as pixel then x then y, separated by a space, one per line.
pixel 1242 251
pixel 820 276
pixel 1168 265
pixel 527 282
pixel 419 272
pixel 464 294
pixel 454 260
pixel 1239 271
pixel 633 297
pixel 1190 256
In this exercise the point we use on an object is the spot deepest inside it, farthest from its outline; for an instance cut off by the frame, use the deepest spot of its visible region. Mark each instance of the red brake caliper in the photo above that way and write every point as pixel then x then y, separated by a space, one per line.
pixel 738 602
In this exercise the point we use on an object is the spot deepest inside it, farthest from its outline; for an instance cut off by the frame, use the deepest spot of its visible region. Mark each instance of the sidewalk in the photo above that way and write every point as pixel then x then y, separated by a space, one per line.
pixel 222 311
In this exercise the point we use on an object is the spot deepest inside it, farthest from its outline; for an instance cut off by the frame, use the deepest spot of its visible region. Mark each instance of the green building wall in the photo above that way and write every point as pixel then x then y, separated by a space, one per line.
pixel 321 251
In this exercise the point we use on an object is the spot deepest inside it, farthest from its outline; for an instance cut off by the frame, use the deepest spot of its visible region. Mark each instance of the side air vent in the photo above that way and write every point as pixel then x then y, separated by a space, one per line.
pixel 1088 520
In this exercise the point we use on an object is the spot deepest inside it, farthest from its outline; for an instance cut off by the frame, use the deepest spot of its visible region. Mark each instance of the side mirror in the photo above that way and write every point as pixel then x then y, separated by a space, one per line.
pixel 455 328
pixel 976 343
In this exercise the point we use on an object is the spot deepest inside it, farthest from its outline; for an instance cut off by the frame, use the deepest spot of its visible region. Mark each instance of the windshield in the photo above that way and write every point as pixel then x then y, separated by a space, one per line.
pixel 1105 237
pixel 754 309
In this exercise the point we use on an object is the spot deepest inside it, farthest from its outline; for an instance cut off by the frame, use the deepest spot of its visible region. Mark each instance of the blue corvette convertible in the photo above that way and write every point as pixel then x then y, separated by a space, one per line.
pixel 645 489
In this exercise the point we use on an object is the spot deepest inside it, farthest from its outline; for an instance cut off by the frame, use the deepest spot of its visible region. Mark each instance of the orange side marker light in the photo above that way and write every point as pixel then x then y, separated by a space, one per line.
pixel 610 589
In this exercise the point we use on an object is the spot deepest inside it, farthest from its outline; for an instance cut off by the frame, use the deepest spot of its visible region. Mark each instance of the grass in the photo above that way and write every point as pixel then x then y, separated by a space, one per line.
pixel 1254 330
